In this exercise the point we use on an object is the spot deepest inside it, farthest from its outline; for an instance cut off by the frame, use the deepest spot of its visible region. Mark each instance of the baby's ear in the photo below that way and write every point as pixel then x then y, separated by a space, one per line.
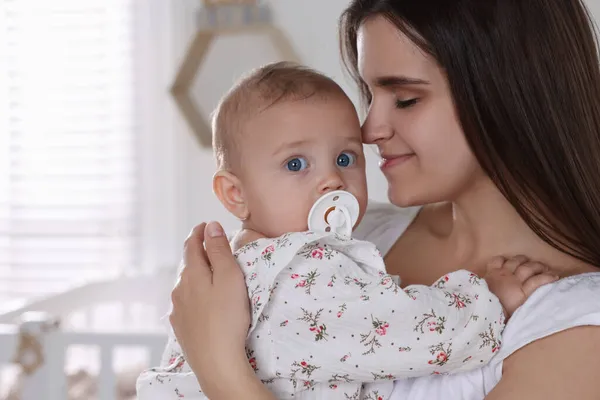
pixel 228 189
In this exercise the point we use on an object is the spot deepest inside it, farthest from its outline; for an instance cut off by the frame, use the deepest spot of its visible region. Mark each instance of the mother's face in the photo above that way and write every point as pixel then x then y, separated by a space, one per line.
pixel 412 119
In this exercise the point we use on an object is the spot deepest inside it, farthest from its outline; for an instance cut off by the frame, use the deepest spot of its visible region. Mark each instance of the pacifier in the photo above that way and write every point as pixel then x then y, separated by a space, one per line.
pixel 335 212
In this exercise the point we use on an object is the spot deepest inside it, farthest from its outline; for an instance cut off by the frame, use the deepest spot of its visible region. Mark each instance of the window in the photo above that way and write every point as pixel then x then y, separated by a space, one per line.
pixel 69 134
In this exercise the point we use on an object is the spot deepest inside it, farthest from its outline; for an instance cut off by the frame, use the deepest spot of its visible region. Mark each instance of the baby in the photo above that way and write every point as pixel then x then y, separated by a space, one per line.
pixel 327 321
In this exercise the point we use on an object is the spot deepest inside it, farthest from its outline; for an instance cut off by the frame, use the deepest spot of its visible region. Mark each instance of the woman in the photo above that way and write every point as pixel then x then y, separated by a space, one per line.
pixel 486 113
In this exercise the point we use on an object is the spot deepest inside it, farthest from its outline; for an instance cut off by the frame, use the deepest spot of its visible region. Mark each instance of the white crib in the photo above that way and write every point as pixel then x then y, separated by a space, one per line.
pixel 139 301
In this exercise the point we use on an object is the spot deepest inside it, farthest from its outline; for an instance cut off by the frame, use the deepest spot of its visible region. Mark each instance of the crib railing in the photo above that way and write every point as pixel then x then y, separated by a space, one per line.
pixel 49 380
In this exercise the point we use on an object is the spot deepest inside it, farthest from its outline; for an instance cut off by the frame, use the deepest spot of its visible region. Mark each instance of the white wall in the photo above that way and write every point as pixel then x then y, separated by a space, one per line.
pixel 594 6
pixel 317 46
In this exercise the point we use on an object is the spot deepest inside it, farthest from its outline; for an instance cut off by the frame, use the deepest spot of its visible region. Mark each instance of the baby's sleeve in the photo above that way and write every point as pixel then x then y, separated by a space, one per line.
pixel 367 329
pixel 173 379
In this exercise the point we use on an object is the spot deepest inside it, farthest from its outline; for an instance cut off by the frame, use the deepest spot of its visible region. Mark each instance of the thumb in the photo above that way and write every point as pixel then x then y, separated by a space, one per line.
pixel 217 247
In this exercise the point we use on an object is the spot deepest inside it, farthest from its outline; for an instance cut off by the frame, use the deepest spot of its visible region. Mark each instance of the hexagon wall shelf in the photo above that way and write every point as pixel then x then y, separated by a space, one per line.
pixel 218 18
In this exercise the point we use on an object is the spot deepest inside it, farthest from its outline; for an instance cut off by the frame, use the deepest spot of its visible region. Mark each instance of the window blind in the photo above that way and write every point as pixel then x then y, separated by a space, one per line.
pixel 68 161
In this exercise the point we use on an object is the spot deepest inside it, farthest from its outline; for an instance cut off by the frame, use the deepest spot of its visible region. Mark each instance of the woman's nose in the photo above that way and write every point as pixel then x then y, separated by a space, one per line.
pixel 376 129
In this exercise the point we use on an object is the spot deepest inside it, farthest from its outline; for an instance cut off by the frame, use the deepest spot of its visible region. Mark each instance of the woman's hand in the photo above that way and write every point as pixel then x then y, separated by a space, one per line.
pixel 211 316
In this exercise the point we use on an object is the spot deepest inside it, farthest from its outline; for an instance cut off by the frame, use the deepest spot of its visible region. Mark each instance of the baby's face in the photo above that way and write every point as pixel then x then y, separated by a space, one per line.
pixel 292 154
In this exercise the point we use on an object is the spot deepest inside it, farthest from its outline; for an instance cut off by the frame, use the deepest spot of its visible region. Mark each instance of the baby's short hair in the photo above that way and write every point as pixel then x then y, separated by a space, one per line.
pixel 262 88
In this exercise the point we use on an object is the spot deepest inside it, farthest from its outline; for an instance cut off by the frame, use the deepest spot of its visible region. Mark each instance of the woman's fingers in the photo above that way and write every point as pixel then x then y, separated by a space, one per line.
pixel 219 252
pixel 194 255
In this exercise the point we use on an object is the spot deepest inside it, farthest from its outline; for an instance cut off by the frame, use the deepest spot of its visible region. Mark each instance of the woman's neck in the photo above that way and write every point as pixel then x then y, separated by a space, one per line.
pixel 482 224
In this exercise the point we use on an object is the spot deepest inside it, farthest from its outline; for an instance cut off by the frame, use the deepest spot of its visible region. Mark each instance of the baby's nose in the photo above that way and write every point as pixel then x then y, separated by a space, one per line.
pixel 331 183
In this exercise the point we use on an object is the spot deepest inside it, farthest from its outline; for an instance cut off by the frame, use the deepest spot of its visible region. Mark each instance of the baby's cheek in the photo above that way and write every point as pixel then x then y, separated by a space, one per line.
pixel 282 217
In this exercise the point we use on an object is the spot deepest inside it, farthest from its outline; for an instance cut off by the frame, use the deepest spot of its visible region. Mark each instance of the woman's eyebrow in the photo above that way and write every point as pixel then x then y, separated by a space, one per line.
pixel 395 81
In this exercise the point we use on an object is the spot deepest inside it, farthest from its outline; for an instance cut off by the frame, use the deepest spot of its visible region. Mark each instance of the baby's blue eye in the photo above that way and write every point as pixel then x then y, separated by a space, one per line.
pixel 296 164
pixel 345 160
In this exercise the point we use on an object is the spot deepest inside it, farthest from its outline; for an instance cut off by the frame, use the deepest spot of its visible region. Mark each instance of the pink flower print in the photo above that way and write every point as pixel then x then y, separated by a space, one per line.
pixel 339 314
pixel 345 358
pixel 446 278
pixel 317 253
pixel 432 325
pixel 176 363
pixel 382 330
pixel 458 300
pixel 441 353
pixel 411 293
pixel 385 282
pixel 256 300
pixel 474 279
pixel 495 349
pixel 267 254
pixel 332 281
pixel 387 377
pixel 305 369
pixel 370 339
pixel 269 249
pixel 252 362
pixel 319 329
pixel 307 282
pixel 284 323
pixel 440 358
pixel 333 386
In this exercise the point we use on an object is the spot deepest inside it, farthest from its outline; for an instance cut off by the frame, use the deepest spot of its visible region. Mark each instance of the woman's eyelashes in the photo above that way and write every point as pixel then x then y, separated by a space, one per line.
pixel 406 103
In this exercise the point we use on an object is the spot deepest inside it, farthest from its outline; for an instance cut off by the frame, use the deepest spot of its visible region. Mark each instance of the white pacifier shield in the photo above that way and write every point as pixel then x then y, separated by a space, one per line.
pixel 321 210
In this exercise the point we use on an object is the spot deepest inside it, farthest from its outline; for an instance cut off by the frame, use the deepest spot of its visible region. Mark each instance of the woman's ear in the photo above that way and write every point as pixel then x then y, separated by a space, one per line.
pixel 228 189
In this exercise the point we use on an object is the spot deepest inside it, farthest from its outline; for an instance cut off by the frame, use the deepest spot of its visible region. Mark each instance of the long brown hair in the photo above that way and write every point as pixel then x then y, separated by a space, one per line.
pixel 525 80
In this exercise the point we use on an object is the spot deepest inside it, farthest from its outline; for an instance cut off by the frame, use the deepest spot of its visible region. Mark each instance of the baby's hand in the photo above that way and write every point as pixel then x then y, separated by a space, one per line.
pixel 515 279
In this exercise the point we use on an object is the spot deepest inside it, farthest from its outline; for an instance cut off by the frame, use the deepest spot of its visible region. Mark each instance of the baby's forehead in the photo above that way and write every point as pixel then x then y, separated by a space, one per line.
pixel 317 118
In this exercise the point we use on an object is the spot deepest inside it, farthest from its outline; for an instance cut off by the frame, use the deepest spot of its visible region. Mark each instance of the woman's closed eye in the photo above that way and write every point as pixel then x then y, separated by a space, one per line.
pixel 406 103
pixel 296 164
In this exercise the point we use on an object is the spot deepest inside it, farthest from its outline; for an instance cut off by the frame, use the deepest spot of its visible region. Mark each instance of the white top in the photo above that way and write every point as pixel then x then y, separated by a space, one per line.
pixel 568 303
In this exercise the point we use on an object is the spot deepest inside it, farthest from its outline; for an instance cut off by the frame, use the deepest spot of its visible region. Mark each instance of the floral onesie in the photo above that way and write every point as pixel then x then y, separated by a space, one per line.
pixel 328 322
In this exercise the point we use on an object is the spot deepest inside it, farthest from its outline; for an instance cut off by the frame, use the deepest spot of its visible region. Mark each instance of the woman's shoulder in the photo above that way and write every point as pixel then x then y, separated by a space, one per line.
pixel 568 303
pixel 384 223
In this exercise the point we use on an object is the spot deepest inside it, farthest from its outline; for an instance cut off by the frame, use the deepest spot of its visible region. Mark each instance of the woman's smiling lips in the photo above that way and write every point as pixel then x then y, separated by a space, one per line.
pixel 391 160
